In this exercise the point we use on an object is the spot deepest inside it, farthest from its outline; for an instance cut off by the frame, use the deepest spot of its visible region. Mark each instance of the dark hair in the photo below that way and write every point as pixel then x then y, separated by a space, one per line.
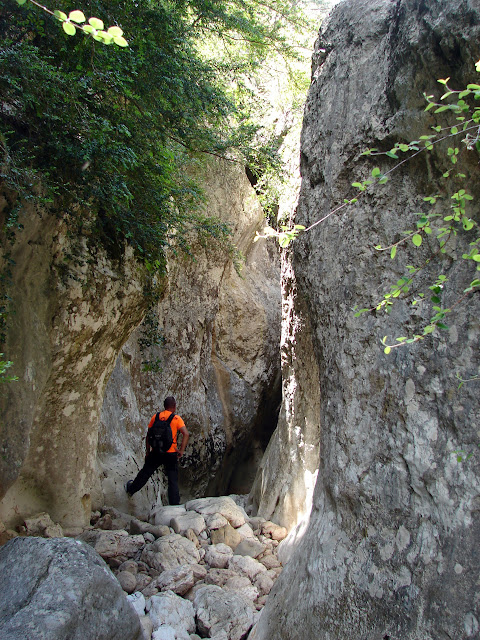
pixel 169 403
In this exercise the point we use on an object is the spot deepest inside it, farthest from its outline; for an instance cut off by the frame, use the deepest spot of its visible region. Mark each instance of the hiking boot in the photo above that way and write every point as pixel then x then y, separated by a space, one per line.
pixel 127 488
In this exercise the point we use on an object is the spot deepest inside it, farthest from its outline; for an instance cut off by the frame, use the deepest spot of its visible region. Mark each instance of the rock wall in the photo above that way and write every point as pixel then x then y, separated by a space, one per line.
pixel 220 359
pixel 72 309
pixel 390 549
pixel 69 439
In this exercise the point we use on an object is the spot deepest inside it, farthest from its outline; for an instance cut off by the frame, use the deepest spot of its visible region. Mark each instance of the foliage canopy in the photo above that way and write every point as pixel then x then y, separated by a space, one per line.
pixel 113 130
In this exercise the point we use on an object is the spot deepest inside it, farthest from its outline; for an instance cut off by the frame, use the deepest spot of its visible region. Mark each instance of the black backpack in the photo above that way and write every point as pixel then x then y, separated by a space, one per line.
pixel 160 435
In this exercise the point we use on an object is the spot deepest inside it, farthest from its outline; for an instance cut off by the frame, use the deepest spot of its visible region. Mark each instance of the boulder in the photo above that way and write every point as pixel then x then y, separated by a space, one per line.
pixel 54 589
pixel 219 577
pixel 223 612
pixel 217 556
pixel 242 586
pixel 190 520
pixel 169 609
pixel 127 581
pixel 179 580
pixel 170 552
pixel 250 547
pixel 274 531
pixel 111 544
pixel 138 526
pixel 43 525
pixel 162 515
pixel 215 521
pixel 224 505
pixel 137 600
pixel 226 535
pixel 244 565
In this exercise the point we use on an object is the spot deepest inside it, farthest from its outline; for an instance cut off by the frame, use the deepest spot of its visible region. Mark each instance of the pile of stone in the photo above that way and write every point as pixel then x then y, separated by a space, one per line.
pixel 199 570
pixel 203 569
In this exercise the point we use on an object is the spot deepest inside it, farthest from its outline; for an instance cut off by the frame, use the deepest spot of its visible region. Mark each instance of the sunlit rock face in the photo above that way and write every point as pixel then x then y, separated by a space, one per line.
pixel 220 358
pixel 390 549
pixel 72 308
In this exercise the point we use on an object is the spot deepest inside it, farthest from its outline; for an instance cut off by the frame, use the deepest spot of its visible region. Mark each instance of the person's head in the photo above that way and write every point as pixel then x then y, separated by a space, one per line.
pixel 169 403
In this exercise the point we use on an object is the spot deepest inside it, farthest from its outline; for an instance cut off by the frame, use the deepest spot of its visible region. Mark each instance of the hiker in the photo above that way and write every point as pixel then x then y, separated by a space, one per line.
pixel 161 449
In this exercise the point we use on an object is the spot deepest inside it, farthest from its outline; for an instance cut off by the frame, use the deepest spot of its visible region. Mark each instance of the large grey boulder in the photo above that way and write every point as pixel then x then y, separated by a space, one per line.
pixel 60 589
pixel 389 549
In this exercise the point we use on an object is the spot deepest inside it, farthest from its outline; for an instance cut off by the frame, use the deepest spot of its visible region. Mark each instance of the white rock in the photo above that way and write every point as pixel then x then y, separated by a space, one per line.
pixel 220 611
pixel 246 531
pixel 223 505
pixel 164 632
pixel 244 565
pixel 217 556
pixel 264 584
pixel 163 515
pixel 272 530
pixel 242 585
pixel 199 571
pixel 219 576
pixel 179 580
pixel 137 600
pixel 109 544
pixel 270 561
pixel 43 525
pixel 249 547
pixel 167 608
pixel 189 520
pixel 170 552
pixel 215 521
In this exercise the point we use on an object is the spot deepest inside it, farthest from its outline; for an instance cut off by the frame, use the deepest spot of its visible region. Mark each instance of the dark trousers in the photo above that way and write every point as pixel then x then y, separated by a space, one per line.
pixel 152 462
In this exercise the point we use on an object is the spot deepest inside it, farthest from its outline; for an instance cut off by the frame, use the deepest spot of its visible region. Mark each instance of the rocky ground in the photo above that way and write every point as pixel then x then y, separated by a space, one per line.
pixel 199 570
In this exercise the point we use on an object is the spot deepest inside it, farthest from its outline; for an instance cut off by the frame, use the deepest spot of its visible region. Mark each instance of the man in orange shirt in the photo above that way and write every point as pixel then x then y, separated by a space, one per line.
pixel 169 460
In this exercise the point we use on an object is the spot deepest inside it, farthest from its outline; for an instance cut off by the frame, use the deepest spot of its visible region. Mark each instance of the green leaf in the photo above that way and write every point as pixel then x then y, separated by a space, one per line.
pixel 96 23
pixel 69 28
pixel 417 239
pixel 376 172
pixel 115 31
pixel 120 41
pixel 20 2
pixel 387 350
pixel 392 154
pixel 477 257
pixel 383 180
pixel 393 252
pixel 107 38
pixel 60 15
pixel 440 325
pixel 76 16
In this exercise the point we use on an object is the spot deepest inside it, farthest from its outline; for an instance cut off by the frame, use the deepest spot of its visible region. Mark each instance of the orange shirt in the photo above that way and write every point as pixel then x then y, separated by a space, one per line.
pixel 176 424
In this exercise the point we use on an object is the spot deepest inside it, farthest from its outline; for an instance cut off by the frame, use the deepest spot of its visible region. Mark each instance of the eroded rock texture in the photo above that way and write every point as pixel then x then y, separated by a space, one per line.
pixel 391 546
pixel 72 309
pixel 220 359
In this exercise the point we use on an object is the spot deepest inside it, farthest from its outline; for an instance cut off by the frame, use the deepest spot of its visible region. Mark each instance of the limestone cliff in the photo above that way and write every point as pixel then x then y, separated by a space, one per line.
pixel 70 435
pixel 390 549
pixel 219 358
pixel 72 309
